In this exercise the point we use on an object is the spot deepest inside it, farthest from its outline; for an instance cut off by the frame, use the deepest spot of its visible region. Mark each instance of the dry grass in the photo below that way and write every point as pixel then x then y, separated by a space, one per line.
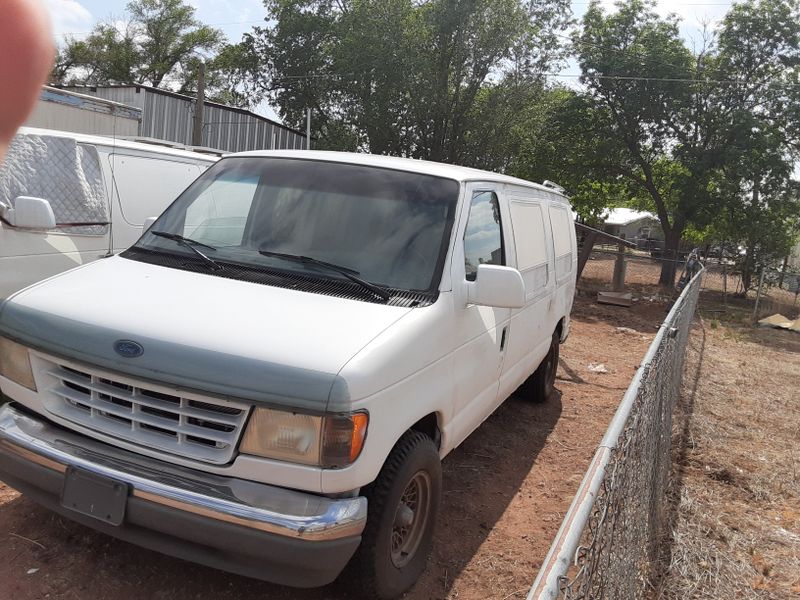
pixel 736 524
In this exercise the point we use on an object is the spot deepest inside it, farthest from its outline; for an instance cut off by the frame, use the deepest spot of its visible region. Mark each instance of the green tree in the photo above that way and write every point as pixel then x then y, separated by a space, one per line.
pixel 106 55
pixel 635 67
pixel 159 45
pixel 677 120
pixel 401 76
pixel 227 75
pixel 758 122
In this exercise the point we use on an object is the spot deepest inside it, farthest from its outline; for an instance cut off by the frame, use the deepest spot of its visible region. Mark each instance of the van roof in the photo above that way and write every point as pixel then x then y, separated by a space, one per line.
pixel 400 164
pixel 100 140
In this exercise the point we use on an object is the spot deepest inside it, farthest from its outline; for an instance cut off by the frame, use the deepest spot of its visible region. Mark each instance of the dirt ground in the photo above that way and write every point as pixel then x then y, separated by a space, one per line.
pixel 736 498
pixel 506 490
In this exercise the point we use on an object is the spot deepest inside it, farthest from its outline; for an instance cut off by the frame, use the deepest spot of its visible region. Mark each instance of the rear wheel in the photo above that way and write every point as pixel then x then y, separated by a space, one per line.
pixel 540 386
pixel 402 509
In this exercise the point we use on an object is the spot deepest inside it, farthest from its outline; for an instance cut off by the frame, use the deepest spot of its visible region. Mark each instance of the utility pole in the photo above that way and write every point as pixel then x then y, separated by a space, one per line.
pixel 197 134
pixel 308 129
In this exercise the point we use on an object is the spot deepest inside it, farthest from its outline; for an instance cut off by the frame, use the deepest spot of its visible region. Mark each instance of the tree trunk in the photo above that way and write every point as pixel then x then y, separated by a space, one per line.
pixel 748 267
pixel 783 271
pixel 669 259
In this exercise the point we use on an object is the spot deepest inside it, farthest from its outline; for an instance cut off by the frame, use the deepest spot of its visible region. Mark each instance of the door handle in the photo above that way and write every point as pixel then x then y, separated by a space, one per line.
pixel 503 337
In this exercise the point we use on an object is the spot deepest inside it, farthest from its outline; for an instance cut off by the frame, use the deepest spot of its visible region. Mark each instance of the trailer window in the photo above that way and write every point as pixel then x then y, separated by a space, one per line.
pixel 63 172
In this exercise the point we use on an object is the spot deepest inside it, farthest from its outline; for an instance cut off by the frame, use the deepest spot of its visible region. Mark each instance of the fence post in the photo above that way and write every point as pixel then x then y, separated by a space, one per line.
pixel 758 295
pixel 619 270
pixel 724 282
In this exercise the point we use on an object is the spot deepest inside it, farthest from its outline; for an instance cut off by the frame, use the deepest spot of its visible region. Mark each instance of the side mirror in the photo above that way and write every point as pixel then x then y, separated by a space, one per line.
pixel 148 223
pixel 31 213
pixel 500 287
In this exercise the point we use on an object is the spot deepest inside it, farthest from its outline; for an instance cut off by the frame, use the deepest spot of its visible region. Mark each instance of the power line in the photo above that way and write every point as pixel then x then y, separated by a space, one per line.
pixel 734 82
pixel 785 84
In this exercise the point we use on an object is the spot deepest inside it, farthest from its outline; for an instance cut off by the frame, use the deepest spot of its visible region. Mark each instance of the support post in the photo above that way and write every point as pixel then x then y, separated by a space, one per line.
pixel 586 251
pixel 308 129
pixel 619 270
pixel 199 106
pixel 724 282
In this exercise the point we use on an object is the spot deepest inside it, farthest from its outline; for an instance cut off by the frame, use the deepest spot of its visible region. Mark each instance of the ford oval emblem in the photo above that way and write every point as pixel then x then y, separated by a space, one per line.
pixel 128 348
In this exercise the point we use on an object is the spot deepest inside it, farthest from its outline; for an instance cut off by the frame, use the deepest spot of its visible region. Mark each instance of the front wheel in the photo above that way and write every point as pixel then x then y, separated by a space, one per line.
pixel 540 386
pixel 402 509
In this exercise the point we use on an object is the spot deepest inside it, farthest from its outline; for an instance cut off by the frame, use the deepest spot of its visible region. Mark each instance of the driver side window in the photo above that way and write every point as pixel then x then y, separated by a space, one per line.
pixel 483 239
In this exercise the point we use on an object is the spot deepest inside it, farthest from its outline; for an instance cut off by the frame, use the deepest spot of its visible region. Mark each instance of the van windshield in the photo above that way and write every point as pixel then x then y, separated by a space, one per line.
pixel 389 227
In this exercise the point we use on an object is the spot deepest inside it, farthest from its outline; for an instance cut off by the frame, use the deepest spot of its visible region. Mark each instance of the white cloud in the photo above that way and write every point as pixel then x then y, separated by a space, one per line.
pixel 68 16
pixel 215 11
pixel 692 13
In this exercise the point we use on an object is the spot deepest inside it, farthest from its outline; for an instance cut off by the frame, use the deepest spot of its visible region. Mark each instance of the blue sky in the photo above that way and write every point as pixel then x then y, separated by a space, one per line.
pixel 234 17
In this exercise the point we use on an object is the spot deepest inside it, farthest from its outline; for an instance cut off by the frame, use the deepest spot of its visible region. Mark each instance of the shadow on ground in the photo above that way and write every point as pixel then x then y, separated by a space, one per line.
pixel 480 479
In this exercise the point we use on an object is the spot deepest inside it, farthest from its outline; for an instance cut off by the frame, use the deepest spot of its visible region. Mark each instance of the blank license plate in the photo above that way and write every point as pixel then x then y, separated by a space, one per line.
pixel 95 496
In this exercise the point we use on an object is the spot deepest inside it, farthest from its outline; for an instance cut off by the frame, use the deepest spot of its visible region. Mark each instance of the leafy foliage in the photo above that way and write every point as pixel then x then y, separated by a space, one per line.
pixel 678 128
pixel 160 44
pixel 404 77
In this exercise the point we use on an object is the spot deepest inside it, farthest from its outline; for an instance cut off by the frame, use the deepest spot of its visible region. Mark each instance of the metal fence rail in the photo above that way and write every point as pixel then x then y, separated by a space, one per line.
pixel 609 539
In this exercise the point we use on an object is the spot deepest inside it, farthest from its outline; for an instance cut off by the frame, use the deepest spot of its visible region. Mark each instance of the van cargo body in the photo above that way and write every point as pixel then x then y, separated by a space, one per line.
pixel 267 381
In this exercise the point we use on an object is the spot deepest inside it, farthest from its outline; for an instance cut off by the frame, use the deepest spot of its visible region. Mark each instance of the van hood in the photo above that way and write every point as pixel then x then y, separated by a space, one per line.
pixel 271 345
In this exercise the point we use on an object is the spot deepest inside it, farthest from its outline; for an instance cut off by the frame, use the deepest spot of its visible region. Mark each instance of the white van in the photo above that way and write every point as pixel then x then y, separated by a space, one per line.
pixel 267 380
pixel 67 199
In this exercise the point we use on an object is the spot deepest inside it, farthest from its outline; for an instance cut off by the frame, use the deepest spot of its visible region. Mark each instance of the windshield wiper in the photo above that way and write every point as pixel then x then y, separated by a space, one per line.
pixel 351 274
pixel 191 245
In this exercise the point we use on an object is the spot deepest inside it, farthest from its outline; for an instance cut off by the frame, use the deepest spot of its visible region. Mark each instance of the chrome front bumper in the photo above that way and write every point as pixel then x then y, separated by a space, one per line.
pixel 32 450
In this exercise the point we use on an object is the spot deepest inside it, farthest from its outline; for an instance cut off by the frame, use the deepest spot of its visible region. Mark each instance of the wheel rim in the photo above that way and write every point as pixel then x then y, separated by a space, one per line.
pixel 411 518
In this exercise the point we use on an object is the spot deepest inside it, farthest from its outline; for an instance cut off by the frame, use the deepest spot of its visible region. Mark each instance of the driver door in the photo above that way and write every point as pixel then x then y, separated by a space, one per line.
pixel 481 332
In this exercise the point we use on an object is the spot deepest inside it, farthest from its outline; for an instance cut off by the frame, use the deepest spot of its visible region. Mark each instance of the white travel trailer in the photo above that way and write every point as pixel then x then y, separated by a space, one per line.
pixel 68 198
pixel 267 380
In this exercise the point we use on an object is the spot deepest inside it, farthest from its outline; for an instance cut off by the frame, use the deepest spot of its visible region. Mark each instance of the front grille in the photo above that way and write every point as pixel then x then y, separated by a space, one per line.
pixel 207 430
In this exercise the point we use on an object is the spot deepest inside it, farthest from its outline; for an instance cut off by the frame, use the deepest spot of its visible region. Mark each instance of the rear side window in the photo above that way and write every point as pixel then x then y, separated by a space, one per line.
pixel 483 239
pixel 530 239
pixel 562 240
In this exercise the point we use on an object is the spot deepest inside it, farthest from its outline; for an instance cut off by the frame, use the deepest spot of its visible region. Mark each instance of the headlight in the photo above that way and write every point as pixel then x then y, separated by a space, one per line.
pixel 333 441
pixel 15 363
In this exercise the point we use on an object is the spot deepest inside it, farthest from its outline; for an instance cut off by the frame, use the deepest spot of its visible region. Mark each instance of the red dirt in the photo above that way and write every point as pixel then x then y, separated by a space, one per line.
pixel 506 491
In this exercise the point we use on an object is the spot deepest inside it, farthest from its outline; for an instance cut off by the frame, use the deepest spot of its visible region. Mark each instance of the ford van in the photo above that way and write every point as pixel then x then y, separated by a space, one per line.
pixel 266 382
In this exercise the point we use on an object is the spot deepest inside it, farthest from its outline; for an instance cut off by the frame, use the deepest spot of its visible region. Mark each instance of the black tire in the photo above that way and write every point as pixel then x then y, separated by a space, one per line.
pixel 541 384
pixel 380 568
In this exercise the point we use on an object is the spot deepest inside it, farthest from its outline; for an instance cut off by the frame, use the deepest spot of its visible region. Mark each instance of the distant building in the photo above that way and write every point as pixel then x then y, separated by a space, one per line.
pixel 637 226
pixel 169 116
pixel 80 113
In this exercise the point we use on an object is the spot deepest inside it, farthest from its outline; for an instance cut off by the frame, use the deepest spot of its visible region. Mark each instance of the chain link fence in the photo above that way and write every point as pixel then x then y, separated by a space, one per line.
pixel 609 539
pixel 642 271
pixel 770 290
pixel 778 291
